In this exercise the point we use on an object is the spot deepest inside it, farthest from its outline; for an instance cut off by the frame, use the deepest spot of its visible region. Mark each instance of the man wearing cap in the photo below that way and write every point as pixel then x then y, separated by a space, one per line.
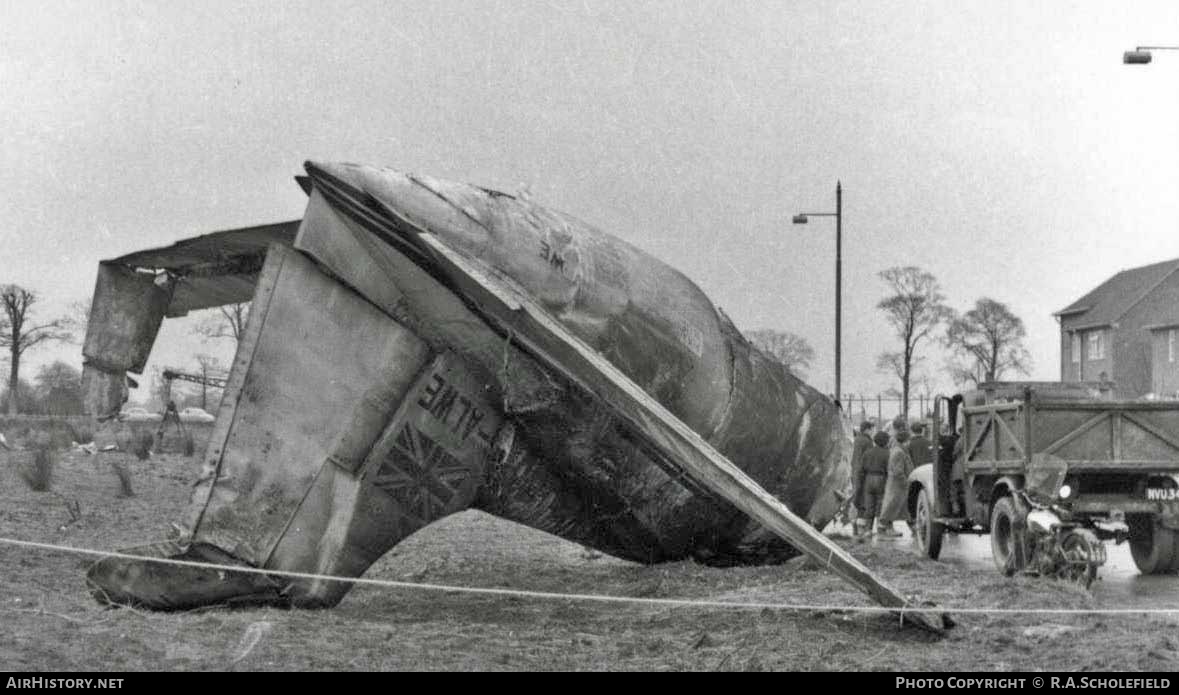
pixel 863 443
pixel 920 448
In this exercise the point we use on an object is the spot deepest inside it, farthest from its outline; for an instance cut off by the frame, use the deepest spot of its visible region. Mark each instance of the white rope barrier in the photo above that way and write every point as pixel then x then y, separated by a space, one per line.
pixel 603 598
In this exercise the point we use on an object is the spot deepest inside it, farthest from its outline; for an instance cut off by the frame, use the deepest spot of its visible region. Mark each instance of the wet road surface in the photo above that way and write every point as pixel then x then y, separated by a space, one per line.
pixel 1118 585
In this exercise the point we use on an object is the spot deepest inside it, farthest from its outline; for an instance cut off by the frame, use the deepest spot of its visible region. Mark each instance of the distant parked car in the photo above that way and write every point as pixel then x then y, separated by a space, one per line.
pixel 138 414
pixel 195 415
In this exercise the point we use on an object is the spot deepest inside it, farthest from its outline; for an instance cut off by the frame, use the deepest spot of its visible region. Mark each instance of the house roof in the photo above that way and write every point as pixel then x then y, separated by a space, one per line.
pixel 1110 300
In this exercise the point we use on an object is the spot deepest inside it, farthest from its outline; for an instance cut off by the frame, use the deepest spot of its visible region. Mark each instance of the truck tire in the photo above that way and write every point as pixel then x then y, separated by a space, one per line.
pixel 1003 540
pixel 928 532
pixel 1155 549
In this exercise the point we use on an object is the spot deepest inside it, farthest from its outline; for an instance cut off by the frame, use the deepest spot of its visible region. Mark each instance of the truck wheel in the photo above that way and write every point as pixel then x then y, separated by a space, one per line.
pixel 1003 539
pixel 1155 549
pixel 929 532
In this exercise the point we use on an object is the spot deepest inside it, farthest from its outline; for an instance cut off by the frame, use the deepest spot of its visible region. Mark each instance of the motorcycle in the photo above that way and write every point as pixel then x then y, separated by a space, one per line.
pixel 1049 542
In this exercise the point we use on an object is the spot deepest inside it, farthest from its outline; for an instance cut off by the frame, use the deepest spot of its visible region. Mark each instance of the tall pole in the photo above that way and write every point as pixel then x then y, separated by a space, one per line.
pixel 838 284
pixel 801 218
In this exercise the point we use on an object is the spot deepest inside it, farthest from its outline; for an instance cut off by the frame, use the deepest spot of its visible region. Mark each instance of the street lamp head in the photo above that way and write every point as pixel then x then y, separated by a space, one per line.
pixel 1136 57
pixel 799 219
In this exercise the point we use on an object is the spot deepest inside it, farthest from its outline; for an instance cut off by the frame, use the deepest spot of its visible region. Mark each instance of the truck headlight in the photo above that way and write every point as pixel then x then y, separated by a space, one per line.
pixel 1065 491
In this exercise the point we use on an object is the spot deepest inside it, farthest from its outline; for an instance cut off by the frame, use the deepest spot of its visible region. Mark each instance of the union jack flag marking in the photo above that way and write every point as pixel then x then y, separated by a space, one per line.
pixel 420 474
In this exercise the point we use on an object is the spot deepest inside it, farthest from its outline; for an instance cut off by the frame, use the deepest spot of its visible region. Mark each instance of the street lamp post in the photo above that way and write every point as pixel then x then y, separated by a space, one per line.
pixel 1141 54
pixel 801 218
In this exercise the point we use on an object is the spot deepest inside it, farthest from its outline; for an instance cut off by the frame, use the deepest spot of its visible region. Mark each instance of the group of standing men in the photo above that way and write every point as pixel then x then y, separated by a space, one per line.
pixel 881 464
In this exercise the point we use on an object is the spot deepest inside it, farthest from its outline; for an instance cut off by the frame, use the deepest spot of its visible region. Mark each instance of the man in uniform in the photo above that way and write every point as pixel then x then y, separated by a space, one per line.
pixel 920 448
pixel 899 467
pixel 875 465
pixel 863 443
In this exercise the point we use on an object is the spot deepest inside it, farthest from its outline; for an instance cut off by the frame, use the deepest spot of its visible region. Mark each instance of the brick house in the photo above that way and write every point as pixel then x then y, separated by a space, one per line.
pixel 1126 331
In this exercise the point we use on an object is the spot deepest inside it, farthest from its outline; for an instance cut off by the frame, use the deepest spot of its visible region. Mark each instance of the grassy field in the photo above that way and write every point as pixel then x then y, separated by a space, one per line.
pixel 50 623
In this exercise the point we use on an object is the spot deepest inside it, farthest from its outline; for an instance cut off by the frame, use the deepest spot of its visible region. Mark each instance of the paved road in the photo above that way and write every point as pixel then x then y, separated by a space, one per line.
pixel 1119 583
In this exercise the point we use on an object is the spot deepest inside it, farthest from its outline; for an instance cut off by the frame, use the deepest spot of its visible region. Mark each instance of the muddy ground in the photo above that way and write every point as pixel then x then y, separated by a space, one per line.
pixel 49 622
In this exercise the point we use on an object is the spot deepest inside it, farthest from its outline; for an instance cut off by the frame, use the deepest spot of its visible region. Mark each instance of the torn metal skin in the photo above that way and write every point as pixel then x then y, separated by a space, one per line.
pixel 418 347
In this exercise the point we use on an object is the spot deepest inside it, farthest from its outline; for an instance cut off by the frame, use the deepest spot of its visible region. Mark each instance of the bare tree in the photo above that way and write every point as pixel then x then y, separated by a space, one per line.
pixel 790 349
pixel 227 321
pixel 18 334
pixel 77 319
pixel 990 338
pixel 914 310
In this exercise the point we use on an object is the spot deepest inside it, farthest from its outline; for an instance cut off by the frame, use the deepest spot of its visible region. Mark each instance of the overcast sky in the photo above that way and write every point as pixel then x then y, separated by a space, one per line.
pixel 1001 145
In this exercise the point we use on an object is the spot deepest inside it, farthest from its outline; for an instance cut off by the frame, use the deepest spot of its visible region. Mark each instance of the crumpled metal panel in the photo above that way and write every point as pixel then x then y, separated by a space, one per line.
pixel 643 315
pixel 316 360
pixel 323 376
pixel 585 479
pixel 426 463
pixel 415 299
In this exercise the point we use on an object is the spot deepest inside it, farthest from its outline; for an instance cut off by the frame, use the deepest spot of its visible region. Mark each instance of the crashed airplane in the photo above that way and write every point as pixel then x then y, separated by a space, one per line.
pixel 417 347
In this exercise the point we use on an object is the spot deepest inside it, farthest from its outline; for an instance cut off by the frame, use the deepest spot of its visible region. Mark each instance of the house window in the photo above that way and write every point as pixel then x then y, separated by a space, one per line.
pixel 1096 345
pixel 1171 345
pixel 1076 349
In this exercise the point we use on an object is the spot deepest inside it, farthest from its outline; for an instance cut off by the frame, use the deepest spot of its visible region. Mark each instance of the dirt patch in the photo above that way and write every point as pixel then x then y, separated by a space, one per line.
pixel 52 623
